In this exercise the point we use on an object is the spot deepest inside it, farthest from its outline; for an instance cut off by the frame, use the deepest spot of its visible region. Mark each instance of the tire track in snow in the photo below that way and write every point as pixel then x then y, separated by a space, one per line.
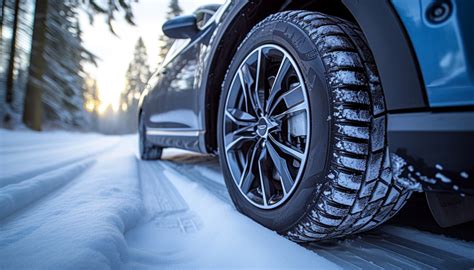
pixel 164 205
pixel 203 170
pixel 17 196
pixel 16 176
pixel 159 196
pixel 36 147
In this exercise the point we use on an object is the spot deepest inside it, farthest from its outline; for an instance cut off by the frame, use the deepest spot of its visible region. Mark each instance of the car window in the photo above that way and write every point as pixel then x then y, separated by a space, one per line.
pixel 176 47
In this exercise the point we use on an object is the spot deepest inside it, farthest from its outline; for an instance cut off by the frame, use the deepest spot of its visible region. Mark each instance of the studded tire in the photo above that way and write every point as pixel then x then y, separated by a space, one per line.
pixel 348 185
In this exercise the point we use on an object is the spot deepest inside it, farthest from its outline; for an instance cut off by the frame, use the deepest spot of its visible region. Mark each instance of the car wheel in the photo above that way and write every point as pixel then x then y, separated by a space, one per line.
pixel 148 150
pixel 302 129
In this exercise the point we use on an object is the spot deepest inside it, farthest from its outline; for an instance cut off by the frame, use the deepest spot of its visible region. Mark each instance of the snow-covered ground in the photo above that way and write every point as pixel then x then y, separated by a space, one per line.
pixel 85 201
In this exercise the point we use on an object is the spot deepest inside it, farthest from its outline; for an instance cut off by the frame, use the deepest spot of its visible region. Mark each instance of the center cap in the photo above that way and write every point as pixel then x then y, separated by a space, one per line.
pixel 262 127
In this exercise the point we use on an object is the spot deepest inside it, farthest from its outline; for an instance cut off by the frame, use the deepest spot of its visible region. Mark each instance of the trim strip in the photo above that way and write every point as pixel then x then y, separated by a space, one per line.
pixel 173 132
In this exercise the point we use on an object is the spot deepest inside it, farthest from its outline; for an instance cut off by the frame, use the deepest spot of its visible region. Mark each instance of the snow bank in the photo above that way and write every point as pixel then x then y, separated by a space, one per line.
pixel 14 197
pixel 80 226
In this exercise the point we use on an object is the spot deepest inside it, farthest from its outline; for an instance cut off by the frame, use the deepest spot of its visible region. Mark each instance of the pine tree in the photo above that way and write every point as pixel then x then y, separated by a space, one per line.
pixel 110 8
pixel 56 85
pixel 92 101
pixel 165 42
pixel 137 75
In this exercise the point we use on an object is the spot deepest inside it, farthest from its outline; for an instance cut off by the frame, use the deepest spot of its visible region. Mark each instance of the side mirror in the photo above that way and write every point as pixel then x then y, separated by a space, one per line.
pixel 181 27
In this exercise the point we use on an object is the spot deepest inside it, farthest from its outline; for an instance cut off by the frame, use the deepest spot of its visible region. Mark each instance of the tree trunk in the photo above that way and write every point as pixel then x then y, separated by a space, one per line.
pixel 2 16
pixel 33 105
pixel 11 61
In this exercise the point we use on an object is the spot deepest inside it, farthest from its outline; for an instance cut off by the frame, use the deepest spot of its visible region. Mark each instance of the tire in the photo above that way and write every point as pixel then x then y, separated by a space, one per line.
pixel 148 150
pixel 346 185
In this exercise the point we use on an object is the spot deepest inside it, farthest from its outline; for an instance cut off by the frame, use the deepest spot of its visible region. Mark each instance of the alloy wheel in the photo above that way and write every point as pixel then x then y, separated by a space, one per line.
pixel 266 126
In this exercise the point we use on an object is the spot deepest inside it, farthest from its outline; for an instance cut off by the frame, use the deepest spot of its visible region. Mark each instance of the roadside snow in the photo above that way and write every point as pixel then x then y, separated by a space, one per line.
pixel 79 225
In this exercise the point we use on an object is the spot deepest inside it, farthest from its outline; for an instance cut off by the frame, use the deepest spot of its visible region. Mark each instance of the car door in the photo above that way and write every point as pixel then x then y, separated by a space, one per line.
pixel 173 107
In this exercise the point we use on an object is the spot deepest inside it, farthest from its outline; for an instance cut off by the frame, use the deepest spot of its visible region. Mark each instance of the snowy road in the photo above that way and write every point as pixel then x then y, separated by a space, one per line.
pixel 71 200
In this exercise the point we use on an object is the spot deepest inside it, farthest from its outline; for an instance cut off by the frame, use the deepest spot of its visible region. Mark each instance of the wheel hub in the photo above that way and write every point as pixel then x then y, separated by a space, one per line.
pixel 262 128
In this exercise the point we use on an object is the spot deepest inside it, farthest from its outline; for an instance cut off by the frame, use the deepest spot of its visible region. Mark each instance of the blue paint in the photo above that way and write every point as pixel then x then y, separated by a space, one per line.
pixel 445 51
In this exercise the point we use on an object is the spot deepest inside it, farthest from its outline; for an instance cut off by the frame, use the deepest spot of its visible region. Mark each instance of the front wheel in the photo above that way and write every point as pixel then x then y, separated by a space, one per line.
pixel 302 128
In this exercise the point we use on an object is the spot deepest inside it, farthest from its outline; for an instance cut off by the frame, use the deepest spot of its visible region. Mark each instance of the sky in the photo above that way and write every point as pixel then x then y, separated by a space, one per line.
pixel 116 52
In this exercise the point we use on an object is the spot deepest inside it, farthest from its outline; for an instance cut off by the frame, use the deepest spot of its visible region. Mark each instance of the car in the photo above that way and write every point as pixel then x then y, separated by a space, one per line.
pixel 326 115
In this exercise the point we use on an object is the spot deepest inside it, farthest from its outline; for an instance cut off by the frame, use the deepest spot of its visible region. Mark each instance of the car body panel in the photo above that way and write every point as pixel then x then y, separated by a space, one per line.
pixel 180 100
pixel 445 51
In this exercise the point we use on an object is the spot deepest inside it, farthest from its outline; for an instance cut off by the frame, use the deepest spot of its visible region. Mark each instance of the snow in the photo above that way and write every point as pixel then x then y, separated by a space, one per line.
pixel 85 201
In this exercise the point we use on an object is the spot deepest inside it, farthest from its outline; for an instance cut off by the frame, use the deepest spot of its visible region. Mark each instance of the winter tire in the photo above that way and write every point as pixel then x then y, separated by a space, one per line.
pixel 148 150
pixel 302 129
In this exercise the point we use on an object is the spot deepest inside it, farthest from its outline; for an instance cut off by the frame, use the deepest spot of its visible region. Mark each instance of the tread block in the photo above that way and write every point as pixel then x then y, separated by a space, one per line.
pixel 351 96
pixel 386 160
pixel 386 176
pixel 340 197
pixel 378 133
pixel 371 209
pixel 359 205
pixel 327 207
pixel 367 189
pixel 379 192
pixel 353 131
pixel 352 147
pixel 368 226
pixel 373 166
pixel 383 212
pixel 372 73
pixel 392 196
pixel 329 221
pixel 378 102
pixel 334 43
pixel 360 115
pixel 338 59
pixel 346 77
pixel 351 163
pixel 362 221
pixel 349 220
pixel 346 180
pixel 325 30
pixel 401 201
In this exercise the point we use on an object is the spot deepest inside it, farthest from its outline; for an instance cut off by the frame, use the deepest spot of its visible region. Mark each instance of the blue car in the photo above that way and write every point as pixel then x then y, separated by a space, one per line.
pixel 326 115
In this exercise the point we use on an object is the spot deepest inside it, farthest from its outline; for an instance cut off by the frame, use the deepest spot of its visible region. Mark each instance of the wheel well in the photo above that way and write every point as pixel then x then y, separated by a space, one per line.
pixel 252 13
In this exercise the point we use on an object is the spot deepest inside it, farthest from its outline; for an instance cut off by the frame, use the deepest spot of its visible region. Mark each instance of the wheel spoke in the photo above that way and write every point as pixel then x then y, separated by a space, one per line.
pixel 248 176
pixel 265 184
pixel 240 118
pixel 260 79
pixel 292 152
pixel 281 167
pixel 299 107
pixel 246 81
pixel 291 97
pixel 277 84
pixel 236 138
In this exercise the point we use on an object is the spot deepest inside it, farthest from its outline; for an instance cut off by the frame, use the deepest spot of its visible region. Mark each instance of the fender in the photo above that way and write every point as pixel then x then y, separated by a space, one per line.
pixel 394 56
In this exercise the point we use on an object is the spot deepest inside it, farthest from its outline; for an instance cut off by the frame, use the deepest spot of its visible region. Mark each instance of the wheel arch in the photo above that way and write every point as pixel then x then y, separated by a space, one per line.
pixel 395 58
